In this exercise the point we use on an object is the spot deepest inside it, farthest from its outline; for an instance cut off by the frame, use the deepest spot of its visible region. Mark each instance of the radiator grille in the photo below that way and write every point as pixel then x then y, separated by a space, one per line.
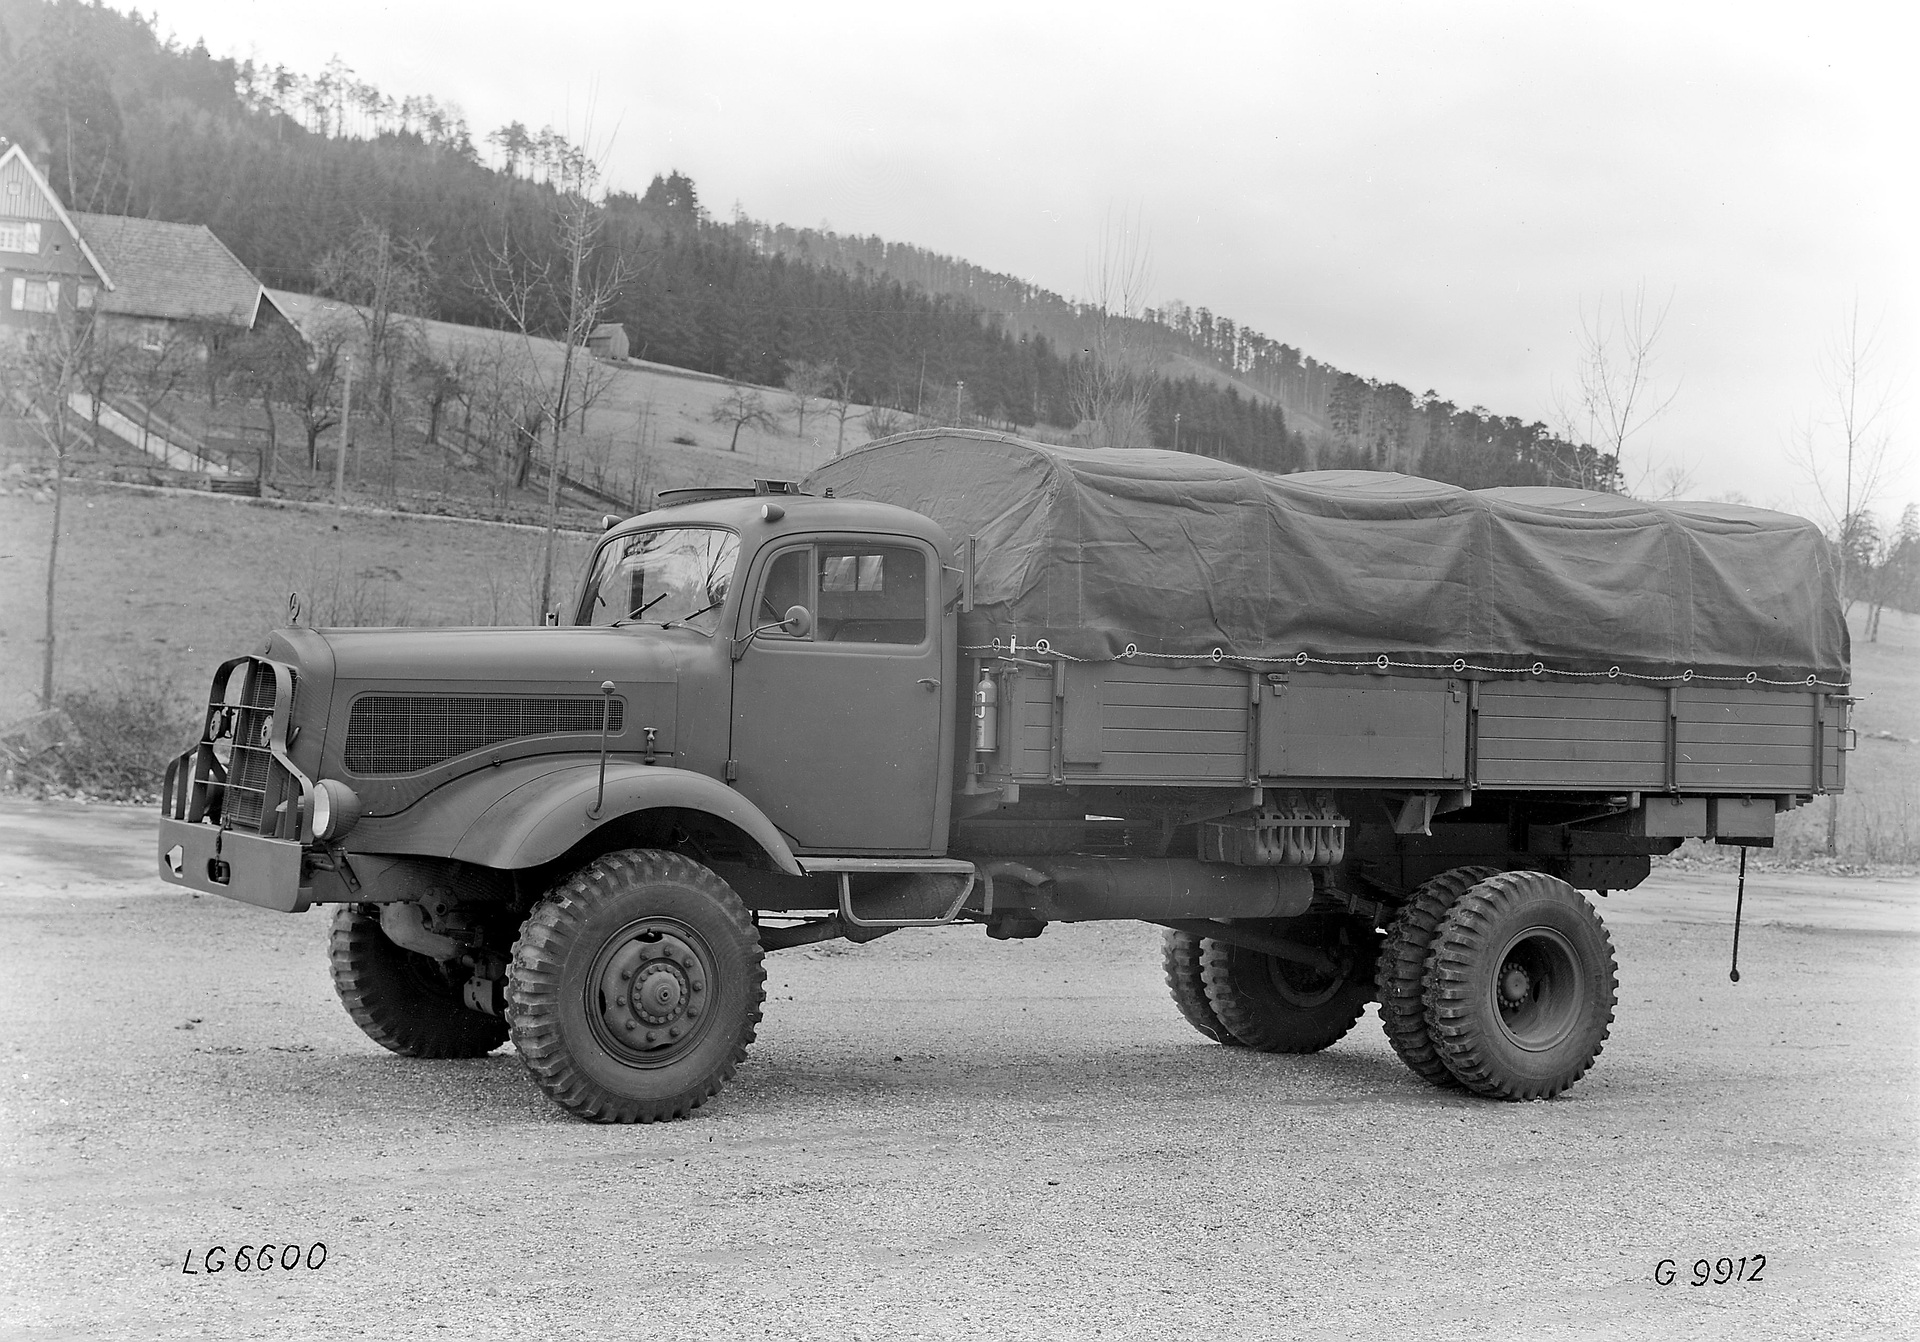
pixel 257 788
pixel 405 733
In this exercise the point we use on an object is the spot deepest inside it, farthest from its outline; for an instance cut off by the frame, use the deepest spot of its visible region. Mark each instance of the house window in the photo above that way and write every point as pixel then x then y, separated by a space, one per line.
pixel 35 295
pixel 84 299
pixel 18 237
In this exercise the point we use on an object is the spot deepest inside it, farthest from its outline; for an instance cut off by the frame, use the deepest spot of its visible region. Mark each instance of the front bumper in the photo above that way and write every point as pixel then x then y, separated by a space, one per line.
pixel 247 867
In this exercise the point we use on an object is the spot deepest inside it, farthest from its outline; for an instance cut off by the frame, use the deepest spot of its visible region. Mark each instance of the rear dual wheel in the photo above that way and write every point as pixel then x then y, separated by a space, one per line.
pixel 1400 977
pixel 1519 987
pixel 1240 996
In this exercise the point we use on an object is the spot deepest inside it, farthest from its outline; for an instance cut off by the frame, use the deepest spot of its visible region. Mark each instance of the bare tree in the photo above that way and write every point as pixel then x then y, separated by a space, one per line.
pixel 387 280
pixel 742 408
pixel 884 421
pixel 43 370
pixel 256 364
pixel 307 373
pixel 1616 393
pixel 840 392
pixel 162 358
pixel 1112 381
pixel 806 378
pixel 107 358
pixel 1843 448
pixel 576 283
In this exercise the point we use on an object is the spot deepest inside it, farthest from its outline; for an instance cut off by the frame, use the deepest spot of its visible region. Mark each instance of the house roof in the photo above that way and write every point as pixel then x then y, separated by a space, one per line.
pixel 15 166
pixel 180 272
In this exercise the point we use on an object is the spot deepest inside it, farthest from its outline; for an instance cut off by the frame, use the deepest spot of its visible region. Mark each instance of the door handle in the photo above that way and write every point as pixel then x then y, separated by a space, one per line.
pixel 929 682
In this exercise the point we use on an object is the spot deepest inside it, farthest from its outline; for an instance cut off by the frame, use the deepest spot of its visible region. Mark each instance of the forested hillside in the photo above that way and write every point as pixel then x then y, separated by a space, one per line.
pixel 284 166
pixel 1345 420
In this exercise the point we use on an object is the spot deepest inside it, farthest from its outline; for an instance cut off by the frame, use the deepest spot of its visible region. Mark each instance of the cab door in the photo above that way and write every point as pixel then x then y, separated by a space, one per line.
pixel 836 732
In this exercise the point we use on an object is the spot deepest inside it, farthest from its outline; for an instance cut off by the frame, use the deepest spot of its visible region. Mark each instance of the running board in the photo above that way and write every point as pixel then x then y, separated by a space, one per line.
pixel 846 867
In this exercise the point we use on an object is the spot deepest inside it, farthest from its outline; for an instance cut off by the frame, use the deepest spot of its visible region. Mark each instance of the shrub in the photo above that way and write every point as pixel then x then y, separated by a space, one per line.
pixel 117 741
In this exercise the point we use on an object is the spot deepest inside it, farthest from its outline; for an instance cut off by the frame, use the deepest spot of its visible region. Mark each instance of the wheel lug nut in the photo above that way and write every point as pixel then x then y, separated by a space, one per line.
pixel 693 1011
pixel 651 1036
pixel 675 1032
pixel 625 974
pixel 631 1026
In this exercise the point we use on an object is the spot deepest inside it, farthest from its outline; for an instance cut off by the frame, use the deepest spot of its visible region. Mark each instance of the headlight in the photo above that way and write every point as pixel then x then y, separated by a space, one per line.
pixel 335 808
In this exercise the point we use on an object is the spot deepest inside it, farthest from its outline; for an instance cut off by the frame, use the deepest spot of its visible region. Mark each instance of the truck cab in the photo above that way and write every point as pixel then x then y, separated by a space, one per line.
pixel 814 646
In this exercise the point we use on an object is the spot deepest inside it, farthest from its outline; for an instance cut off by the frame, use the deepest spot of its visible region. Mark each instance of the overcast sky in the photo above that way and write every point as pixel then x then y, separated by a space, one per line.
pixel 1424 194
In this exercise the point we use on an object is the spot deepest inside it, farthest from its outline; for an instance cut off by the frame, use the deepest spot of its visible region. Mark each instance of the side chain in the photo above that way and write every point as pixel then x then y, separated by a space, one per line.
pixel 1220 657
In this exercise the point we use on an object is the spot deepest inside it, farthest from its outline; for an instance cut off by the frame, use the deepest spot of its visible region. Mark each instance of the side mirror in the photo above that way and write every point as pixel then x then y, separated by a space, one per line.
pixel 798 623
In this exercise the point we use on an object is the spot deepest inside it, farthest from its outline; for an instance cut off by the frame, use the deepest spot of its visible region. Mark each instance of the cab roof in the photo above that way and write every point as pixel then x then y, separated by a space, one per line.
pixel 793 514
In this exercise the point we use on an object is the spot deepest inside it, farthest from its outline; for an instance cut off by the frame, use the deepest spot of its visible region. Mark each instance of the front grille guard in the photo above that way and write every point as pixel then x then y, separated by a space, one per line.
pixel 256 788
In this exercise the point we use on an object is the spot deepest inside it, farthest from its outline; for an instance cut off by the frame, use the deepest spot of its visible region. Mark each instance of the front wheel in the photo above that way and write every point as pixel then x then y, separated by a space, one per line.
pixel 1282 1006
pixel 404 1001
pixel 635 988
pixel 1520 987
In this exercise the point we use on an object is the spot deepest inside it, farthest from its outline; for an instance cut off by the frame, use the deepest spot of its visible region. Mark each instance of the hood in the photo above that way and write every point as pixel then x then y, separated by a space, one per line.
pixel 409 709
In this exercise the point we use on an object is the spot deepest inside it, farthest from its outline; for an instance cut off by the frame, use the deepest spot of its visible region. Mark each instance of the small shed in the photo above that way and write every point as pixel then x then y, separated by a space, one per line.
pixel 608 341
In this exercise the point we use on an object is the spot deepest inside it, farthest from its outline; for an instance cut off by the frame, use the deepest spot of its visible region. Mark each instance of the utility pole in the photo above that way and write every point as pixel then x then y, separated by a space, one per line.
pixel 346 436
pixel 1176 430
pixel 959 401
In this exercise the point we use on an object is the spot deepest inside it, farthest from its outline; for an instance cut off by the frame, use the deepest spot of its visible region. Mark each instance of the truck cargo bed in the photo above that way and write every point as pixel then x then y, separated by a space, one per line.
pixel 1121 723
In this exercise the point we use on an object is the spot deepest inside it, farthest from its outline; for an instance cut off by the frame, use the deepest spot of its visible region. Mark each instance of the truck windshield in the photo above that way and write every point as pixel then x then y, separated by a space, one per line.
pixel 676 576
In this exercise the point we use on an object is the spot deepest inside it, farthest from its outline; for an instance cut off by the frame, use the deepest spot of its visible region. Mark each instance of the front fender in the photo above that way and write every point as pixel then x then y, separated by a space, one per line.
pixel 547 815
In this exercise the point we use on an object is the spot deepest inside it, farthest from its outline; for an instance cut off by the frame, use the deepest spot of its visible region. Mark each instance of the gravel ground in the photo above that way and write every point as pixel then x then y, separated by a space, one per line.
pixel 942 1136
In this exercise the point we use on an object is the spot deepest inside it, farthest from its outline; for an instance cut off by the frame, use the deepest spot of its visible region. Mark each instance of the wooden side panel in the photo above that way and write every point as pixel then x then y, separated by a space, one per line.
pixel 1333 726
pixel 1032 743
pixel 1169 725
pixel 1561 735
pixel 1833 758
pixel 1723 738
pixel 1746 740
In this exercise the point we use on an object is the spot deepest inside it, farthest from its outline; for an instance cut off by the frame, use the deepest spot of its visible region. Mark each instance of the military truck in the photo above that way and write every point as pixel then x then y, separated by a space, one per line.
pixel 1345 736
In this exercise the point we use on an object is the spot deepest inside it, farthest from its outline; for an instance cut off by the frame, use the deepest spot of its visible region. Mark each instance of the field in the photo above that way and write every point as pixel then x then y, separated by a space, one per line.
pixel 161 586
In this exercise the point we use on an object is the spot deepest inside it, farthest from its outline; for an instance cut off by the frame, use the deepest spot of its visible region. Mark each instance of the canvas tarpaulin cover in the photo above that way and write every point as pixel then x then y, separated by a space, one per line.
pixel 1100 550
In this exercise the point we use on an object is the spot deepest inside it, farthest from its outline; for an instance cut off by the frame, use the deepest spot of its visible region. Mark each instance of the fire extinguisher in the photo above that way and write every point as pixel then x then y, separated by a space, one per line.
pixel 986 714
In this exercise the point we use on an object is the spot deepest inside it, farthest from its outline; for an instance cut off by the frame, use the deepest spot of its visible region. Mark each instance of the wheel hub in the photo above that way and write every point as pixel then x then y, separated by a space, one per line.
pixel 653 990
pixel 1538 991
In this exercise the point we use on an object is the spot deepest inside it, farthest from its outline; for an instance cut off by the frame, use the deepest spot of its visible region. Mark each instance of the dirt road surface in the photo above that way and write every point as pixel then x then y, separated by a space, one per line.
pixel 942 1136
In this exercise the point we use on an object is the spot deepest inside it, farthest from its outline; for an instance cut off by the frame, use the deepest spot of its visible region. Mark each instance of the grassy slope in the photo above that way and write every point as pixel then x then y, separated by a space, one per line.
pixel 632 422
pixel 161 587
pixel 1880 811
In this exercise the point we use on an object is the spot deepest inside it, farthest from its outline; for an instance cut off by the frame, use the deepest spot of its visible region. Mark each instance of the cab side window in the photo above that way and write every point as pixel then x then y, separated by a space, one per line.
pixel 786 586
pixel 872 594
pixel 857 592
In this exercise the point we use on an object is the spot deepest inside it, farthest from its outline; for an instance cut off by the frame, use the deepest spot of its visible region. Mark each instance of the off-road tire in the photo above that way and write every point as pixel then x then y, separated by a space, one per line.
pixel 1280 1006
pixel 1401 974
pixel 564 999
pixel 1521 986
pixel 1180 954
pixel 404 1001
